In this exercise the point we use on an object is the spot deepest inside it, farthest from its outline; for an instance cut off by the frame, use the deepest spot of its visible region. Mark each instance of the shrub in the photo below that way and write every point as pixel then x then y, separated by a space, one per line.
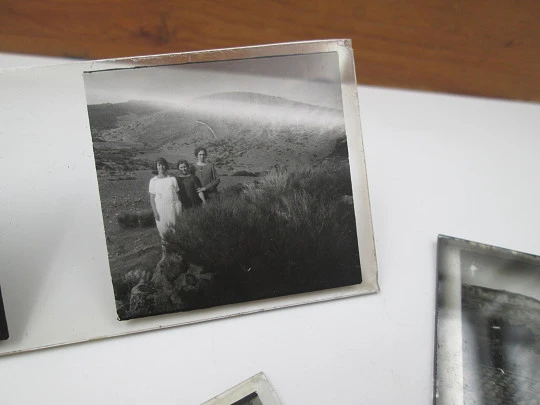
pixel 287 233
pixel 244 173
pixel 146 219
pixel 233 191
pixel 128 220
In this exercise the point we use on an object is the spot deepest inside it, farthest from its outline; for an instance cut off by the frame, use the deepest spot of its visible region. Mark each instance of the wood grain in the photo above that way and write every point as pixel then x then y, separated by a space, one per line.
pixel 479 47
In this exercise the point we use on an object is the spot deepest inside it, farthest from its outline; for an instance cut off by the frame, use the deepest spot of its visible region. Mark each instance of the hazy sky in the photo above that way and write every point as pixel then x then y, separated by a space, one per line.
pixel 312 78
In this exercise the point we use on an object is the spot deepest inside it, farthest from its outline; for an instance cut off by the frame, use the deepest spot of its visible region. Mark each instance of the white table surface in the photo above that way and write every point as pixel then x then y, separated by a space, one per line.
pixel 460 166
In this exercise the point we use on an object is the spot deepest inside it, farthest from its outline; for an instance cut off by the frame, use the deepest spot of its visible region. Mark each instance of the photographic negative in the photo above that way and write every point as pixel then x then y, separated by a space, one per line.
pixel 488 325
pixel 228 180
pixel 4 332
pixel 254 391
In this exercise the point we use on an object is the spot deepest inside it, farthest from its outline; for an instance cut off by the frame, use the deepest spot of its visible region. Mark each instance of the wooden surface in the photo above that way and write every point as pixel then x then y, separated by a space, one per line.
pixel 479 47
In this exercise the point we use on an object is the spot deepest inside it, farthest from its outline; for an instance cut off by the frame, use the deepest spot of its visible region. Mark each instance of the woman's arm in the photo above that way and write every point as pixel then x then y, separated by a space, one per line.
pixel 153 204
pixel 199 190
pixel 202 196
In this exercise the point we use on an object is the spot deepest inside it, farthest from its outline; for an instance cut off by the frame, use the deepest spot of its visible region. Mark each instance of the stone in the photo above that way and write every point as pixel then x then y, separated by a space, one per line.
pixel 142 298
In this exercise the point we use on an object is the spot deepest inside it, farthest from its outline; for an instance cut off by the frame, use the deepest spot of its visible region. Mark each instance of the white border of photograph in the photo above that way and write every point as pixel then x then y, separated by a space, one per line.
pixel 258 383
pixel 55 276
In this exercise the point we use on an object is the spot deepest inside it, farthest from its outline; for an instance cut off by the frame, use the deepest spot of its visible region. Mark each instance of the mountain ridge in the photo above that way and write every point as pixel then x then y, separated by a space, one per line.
pixel 238 133
pixel 261 98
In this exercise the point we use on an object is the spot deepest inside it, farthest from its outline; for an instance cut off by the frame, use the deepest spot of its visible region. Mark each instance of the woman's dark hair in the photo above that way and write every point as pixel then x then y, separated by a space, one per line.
pixel 163 161
pixel 197 150
pixel 182 162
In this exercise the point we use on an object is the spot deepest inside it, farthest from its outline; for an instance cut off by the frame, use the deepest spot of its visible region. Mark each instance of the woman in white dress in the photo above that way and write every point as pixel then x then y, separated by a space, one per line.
pixel 163 190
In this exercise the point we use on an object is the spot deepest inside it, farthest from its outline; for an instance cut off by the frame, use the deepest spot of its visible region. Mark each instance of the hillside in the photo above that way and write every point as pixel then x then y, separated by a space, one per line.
pixel 110 116
pixel 248 131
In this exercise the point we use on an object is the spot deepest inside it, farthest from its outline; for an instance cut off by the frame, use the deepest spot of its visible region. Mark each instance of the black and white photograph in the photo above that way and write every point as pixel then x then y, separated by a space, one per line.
pixel 223 182
pixel 488 326
pixel 196 186
pixel 253 391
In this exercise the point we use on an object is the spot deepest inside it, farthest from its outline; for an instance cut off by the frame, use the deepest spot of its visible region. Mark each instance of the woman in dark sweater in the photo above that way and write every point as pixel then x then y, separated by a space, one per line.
pixel 188 186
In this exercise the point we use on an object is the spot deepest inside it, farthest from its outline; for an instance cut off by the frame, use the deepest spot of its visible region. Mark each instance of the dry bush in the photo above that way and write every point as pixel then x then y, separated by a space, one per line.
pixel 288 233
pixel 128 220
pixel 146 219
pixel 245 173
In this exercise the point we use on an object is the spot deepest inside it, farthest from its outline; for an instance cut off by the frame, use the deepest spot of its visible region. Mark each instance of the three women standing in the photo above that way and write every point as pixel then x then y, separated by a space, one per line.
pixel 169 194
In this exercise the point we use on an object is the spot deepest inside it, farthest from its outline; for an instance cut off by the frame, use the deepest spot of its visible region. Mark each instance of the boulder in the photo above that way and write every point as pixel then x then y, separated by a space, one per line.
pixel 173 286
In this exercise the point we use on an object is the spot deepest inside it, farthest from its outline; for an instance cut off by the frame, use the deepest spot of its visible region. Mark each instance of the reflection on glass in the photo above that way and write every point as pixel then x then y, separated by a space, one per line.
pixel 500 330
pixel 251 399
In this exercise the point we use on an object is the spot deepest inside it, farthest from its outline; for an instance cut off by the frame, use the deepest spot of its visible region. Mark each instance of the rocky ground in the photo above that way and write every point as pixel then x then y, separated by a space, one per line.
pixel 135 253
